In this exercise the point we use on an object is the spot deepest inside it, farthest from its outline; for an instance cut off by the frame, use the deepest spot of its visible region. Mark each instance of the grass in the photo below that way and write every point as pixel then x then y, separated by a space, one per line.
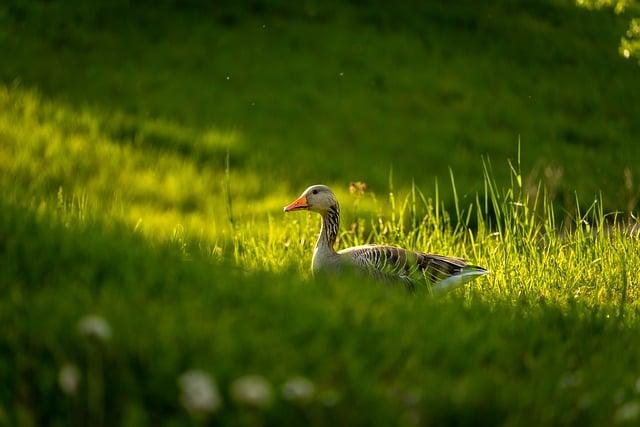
pixel 140 185
pixel 531 344
pixel 417 87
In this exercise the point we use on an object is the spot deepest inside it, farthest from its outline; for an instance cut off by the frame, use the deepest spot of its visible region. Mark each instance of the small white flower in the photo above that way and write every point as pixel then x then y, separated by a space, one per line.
pixel 69 379
pixel 298 389
pixel 200 395
pixel 628 412
pixel 94 326
pixel 252 390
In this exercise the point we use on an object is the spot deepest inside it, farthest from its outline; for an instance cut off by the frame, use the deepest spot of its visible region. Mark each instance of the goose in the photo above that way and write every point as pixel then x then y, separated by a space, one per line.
pixel 381 262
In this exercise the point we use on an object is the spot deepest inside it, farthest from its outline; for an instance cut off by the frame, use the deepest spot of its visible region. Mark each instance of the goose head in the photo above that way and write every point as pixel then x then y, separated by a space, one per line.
pixel 317 198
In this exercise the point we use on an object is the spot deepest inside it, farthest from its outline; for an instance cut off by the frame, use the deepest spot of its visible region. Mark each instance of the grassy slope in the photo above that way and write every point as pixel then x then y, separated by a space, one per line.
pixel 325 92
pixel 121 121
pixel 512 353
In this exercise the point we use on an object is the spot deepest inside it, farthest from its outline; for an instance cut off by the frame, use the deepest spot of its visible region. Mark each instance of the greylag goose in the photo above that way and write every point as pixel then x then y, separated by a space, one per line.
pixel 385 263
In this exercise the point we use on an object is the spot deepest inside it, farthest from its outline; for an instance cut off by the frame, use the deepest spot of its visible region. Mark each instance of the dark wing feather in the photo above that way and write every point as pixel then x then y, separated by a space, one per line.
pixel 437 267
pixel 390 262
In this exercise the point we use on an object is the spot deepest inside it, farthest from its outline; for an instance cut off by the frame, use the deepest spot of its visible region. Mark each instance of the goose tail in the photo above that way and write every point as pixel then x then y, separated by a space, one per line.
pixel 468 273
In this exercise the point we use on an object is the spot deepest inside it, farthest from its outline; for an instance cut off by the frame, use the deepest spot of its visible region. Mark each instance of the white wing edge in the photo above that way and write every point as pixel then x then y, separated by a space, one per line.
pixel 454 282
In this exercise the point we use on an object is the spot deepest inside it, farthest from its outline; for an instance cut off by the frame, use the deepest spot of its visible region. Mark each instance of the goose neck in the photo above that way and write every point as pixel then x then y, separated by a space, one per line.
pixel 330 228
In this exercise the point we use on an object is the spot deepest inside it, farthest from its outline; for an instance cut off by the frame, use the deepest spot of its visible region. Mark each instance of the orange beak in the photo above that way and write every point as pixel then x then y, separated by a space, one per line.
pixel 298 204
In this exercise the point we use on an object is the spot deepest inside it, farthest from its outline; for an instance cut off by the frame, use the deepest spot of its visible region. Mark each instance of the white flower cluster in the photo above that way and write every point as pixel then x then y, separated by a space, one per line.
pixel 628 413
pixel 200 395
pixel 253 391
pixel 298 390
pixel 94 327
pixel 69 379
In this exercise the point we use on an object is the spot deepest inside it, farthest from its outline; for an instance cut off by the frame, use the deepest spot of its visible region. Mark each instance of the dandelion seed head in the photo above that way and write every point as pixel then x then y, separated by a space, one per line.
pixel 69 379
pixel 200 395
pixel 628 412
pixel 94 326
pixel 298 389
pixel 252 390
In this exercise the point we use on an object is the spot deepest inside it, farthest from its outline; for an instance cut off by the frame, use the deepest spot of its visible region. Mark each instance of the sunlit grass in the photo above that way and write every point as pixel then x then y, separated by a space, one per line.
pixel 143 170
pixel 362 88
pixel 59 161
pixel 531 343
pixel 154 176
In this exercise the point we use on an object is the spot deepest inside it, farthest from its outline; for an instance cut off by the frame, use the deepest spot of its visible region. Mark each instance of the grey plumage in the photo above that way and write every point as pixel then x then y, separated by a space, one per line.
pixel 392 263
pixel 385 263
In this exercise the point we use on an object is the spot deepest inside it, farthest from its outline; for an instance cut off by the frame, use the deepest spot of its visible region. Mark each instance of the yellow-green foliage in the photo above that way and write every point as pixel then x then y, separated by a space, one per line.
pixel 142 236
pixel 56 159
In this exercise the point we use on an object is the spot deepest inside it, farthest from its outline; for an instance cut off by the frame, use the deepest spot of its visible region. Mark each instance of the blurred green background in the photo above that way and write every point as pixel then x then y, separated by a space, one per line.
pixel 329 91
pixel 146 151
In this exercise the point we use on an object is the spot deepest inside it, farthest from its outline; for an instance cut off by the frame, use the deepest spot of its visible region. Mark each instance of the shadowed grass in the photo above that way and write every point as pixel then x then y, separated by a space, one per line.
pixel 139 183
pixel 531 344
pixel 419 87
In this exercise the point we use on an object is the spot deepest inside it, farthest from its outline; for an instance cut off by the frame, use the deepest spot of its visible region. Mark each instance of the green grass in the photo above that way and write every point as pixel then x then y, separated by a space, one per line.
pixel 358 89
pixel 139 184
pixel 532 344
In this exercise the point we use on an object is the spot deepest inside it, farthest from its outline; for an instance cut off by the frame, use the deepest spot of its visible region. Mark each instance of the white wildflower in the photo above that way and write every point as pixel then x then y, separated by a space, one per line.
pixel 69 379
pixel 298 389
pixel 94 326
pixel 252 390
pixel 628 412
pixel 200 395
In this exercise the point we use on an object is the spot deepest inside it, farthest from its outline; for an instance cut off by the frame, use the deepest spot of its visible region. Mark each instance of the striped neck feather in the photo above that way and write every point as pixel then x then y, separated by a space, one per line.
pixel 330 228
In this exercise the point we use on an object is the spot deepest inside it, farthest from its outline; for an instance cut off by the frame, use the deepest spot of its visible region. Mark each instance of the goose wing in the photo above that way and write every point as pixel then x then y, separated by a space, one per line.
pixel 411 267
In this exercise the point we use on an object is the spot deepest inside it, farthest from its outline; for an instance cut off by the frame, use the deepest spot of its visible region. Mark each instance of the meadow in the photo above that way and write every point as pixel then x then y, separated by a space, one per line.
pixel 147 150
